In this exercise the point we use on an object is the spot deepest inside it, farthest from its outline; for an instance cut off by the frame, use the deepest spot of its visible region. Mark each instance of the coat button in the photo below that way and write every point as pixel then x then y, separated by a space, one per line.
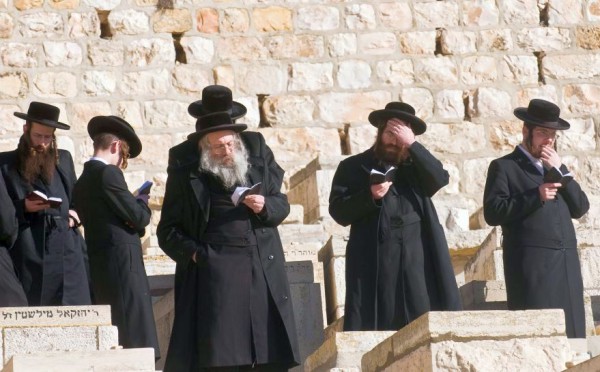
pixel 263 230
pixel 271 257
pixel 285 297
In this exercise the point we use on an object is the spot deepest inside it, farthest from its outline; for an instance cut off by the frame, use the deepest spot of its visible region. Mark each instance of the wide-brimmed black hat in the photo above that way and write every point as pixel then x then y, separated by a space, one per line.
pixel 399 110
pixel 217 98
pixel 542 113
pixel 120 128
pixel 44 114
pixel 213 123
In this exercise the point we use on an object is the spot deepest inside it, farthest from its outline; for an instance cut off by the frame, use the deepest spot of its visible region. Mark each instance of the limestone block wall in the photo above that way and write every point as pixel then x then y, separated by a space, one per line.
pixel 310 72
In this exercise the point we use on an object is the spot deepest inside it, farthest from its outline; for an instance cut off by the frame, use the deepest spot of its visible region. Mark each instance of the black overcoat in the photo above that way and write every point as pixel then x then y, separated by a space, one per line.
pixel 11 290
pixel 28 251
pixel 112 218
pixel 541 263
pixel 351 203
pixel 184 217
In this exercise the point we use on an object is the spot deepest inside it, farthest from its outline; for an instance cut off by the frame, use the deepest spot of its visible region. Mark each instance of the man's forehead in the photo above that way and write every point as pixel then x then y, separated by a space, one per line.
pixel 40 128
pixel 220 136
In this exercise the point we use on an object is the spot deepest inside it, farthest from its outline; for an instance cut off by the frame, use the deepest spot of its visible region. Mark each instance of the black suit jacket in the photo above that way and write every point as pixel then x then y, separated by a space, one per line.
pixel 112 218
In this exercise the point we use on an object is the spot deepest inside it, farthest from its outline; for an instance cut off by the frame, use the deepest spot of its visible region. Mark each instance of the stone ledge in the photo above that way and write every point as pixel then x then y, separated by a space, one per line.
pixel 55 316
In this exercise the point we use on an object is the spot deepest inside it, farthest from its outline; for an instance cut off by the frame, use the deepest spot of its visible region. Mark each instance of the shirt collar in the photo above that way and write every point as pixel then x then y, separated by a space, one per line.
pixel 99 159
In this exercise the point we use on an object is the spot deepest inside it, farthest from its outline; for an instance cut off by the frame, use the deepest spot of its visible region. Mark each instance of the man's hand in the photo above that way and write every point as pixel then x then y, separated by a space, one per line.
pixel 379 190
pixel 144 198
pixel 32 206
pixel 548 191
pixel 194 257
pixel 74 220
pixel 550 157
pixel 255 202
pixel 404 135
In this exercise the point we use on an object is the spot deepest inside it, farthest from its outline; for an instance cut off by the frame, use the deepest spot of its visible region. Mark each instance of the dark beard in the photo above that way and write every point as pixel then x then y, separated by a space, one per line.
pixel 33 164
pixel 388 154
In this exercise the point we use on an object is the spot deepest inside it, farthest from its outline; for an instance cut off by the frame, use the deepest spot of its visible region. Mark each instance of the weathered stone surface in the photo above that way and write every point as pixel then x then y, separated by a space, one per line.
pixel 310 76
pixel 445 137
pixel 235 20
pixel 28 4
pixel 308 314
pixel 547 92
pixel 568 67
pixel 480 13
pixel 580 137
pixel 543 39
pixel 6 25
pixel 296 215
pixel 350 107
pixel 241 48
pixel 289 111
pixel 13 85
pixel 360 137
pixel 478 70
pixel 81 113
pixel 145 82
pixel 163 114
pixel 131 112
pixel 332 255
pixel 12 126
pixel 521 12
pixel 342 45
pixel 197 49
pixel 318 18
pixel 272 19
pixel 35 339
pixel 64 54
pixel 82 25
pixel 64 4
pixel 98 83
pixel 295 46
pixel 128 22
pixel 490 102
pixel 55 316
pixel 396 72
pixel 436 14
pixel 520 69
pixel 55 84
pixel 458 42
pixel 41 25
pixel 360 17
pixel 354 74
pixel 588 37
pixel 19 55
pixel 474 174
pixel 495 40
pixel 418 42
pixel 504 135
pixel 207 20
pixel 380 43
pixel 108 337
pixel 254 79
pixel 390 13
pixel 421 99
pixel 172 21
pixel 150 52
pixel 449 104
pixel 103 4
pixel 581 98
pixel 484 266
pixel 190 80
pixel 438 70
pixel 565 12
pixel 105 53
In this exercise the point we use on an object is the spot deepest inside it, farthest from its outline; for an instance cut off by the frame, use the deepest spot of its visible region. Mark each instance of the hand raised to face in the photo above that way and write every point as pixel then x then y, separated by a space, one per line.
pixel 401 131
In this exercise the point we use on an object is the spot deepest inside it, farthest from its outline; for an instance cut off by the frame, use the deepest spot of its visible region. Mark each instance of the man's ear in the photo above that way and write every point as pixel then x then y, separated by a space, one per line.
pixel 114 147
pixel 25 127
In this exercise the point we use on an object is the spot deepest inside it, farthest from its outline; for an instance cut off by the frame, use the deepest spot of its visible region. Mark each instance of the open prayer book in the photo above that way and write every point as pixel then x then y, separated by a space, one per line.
pixel 144 189
pixel 553 175
pixel 241 192
pixel 38 195
pixel 377 177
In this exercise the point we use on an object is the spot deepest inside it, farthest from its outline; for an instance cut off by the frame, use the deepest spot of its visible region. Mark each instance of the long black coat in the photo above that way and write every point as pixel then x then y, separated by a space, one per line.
pixel 184 218
pixel 28 251
pixel 112 218
pixel 11 290
pixel 541 264
pixel 351 203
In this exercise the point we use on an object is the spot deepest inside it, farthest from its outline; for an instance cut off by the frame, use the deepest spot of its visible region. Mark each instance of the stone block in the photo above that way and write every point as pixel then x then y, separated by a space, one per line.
pixel 587 37
pixel 438 70
pixel 344 350
pixel 458 42
pixel 207 20
pixel 19 55
pixel 333 257
pixel 495 40
pixel 581 98
pixel 342 45
pixel 417 42
pixel 390 13
pixel 188 79
pixel 353 74
pixel 64 4
pixel 296 215
pixel 396 72
pixel 490 102
pixel 13 85
pixel 234 20
pixel 360 17
pixel 454 138
pixel 154 81
pixel 310 76
pixel 296 46
pixel 520 69
pixel 308 314
pixel 98 83
pixel 150 52
pixel 272 19
pixel 543 39
pixel 241 48
pixel 128 22
pixel 128 360
pixel 296 251
pixel 318 18
pixel 532 340
pixel 7 25
pixel 82 25
pixel 483 295
pixel 108 337
pixel 55 316
pixel 520 12
pixel 483 265
pixel 477 70
pixel 436 14
pixel 334 327
pixel 164 315
pixel 299 272
pixel 350 107
pixel 41 25
pixel 424 97
pixel 171 21
pixel 105 52
pixel 449 104
pixel 265 78
pixel 360 137
pixel 289 110
pixel 480 13
pixel 566 12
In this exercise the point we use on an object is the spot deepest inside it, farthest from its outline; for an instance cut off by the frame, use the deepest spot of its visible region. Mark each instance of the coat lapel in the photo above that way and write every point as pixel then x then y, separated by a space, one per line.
pixel 197 182
pixel 528 168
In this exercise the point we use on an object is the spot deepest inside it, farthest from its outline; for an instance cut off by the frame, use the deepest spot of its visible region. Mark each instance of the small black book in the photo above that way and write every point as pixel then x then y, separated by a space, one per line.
pixel 376 177
pixel 241 192
pixel 38 195
pixel 553 175
pixel 144 189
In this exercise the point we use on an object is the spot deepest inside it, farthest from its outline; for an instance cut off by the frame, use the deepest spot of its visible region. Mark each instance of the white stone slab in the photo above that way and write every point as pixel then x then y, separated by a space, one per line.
pixel 300 271
pixel 54 316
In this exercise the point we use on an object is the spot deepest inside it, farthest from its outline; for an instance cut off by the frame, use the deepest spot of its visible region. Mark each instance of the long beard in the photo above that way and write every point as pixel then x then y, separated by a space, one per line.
pixel 230 175
pixel 34 162
pixel 389 154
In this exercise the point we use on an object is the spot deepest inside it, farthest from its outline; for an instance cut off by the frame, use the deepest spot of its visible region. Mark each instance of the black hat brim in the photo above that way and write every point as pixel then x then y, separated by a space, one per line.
pixel 560 124
pixel 194 137
pixel 196 109
pixel 107 124
pixel 379 117
pixel 48 123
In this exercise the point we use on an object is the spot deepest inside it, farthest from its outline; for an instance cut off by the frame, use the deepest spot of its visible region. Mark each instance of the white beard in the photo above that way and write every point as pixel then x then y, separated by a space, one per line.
pixel 229 175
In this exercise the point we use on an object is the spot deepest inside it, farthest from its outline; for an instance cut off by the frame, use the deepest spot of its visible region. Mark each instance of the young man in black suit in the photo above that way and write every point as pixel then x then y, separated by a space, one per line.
pixel 113 220
pixel 541 264
pixel 49 252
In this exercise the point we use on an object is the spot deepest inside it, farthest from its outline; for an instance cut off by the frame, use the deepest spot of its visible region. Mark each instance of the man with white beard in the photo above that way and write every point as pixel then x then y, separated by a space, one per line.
pixel 232 298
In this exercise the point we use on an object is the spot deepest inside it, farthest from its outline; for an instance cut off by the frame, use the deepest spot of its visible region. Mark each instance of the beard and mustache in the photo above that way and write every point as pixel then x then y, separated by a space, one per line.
pixel 389 153
pixel 36 162
pixel 231 169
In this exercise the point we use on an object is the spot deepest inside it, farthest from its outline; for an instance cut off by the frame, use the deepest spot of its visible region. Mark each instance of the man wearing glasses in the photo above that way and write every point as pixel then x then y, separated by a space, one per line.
pixel 532 195
pixel 233 309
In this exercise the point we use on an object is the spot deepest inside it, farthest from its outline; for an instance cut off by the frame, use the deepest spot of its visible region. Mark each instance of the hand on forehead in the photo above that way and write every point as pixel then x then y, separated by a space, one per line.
pixel 397 122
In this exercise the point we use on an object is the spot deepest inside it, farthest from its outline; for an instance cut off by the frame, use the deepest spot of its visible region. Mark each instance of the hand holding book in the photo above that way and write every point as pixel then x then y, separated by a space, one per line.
pixel 377 177
pixel 553 175
pixel 36 201
pixel 241 192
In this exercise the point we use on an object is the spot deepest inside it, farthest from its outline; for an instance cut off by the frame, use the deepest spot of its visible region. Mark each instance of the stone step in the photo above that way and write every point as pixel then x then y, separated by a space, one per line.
pixel 484 295
pixel 121 360
pixel 344 350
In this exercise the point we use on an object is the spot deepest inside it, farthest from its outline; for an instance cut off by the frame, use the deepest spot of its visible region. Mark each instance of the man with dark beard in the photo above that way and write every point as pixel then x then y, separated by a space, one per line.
pixel 541 263
pixel 49 252
pixel 397 261
pixel 232 304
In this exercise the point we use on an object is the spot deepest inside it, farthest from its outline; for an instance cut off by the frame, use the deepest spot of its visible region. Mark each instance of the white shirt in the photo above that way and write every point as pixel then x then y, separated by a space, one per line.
pixel 99 159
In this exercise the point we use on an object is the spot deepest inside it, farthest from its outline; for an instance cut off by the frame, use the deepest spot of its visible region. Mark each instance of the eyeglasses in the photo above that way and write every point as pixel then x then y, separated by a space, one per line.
pixel 546 133
pixel 223 147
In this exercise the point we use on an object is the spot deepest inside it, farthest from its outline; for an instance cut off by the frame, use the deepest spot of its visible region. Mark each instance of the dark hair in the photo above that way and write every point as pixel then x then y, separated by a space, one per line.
pixel 102 141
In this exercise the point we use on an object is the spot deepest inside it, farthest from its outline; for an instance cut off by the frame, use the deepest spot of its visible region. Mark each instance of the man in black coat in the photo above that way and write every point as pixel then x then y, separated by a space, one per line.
pixel 541 264
pixel 397 261
pixel 11 290
pixel 233 306
pixel 113 220
pixel 49 252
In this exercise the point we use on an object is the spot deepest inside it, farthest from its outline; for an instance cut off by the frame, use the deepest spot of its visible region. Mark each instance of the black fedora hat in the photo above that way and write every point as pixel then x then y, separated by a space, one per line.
pixel 399 110
pixel 120 128
pixel 44 114
pixel 542 113
pixel 215 122
pixel 216 98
